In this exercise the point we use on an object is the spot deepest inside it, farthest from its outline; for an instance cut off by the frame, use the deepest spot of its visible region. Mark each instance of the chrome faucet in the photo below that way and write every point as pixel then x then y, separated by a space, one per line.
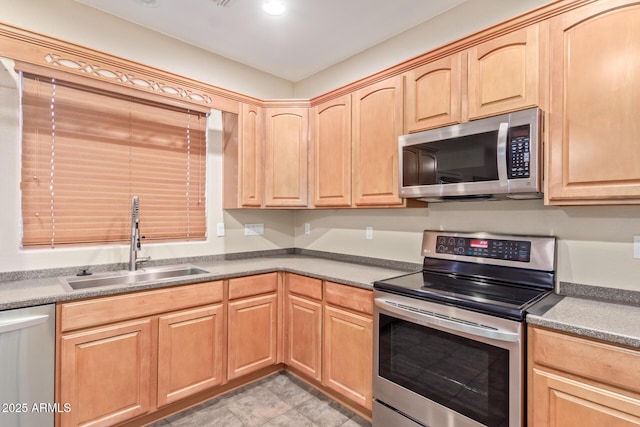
pixel 134 246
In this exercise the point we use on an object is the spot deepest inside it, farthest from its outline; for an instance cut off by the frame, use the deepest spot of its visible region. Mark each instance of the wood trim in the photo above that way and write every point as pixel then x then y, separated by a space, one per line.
pixel 55 54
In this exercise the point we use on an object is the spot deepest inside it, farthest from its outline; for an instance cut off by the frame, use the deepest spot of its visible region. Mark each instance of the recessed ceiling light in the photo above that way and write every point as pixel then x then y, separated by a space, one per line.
pixel 149 3
pixel 274 7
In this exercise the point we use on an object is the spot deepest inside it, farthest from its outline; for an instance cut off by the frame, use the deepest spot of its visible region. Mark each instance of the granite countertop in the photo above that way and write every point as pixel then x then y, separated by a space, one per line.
pixel 612 321
pixel 592 312
pixel 45 290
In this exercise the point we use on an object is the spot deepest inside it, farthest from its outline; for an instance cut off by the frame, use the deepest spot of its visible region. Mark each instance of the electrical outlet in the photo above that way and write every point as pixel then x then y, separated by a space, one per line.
pixel 636 246
pixel 253 229
pixel 220 229
pixel 307 228
pixel 369 232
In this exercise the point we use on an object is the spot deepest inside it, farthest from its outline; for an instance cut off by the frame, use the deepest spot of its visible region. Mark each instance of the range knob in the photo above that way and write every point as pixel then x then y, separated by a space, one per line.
pixel 459 250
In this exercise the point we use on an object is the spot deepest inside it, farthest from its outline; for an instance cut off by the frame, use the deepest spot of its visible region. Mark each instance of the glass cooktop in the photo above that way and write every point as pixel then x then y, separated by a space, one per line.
pixel 474 293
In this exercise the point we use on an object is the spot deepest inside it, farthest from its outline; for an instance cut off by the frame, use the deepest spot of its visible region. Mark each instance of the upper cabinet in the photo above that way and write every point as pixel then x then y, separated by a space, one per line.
pixel 434 91
pixel 497 76
pixel 377 122
pixel 330 158
pixel 594 154
pixel 243 143
pixel 504 74
pixel 250 146
pixel 286 157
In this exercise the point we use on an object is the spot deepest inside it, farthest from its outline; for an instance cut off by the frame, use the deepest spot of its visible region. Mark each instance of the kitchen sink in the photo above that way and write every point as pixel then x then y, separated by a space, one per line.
pixel 124 277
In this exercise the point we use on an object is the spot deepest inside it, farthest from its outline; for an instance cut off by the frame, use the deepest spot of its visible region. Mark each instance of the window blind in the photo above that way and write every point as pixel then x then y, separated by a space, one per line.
pixel 86 152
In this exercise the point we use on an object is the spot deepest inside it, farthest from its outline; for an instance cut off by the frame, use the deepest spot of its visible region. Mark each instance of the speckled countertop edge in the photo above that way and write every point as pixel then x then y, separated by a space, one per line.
pixel 24 289
pixel 606 314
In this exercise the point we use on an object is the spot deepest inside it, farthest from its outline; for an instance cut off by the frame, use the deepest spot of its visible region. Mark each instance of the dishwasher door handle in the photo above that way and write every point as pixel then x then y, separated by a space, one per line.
pixel 23 322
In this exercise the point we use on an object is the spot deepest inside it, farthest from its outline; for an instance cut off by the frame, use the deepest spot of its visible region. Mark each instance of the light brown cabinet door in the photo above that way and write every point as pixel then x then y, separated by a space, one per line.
pixel 377 124
pixel 347 356
pixel 190 349
pixel 106 374
pixel 565 402
pixel 331 153
pixel 303 335
pixel 575 381
pixel 594 154
pixel 504 74
pixel 250 153
pixel 286 157
pixel 433 94
pixel 252 334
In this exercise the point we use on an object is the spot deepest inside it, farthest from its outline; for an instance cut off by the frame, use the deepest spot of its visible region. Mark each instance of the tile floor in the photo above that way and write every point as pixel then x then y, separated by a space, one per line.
pixel 278 400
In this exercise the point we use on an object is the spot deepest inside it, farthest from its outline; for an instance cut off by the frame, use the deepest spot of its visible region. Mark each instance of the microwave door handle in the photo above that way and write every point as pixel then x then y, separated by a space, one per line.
pixel 503 132
pixel 451 323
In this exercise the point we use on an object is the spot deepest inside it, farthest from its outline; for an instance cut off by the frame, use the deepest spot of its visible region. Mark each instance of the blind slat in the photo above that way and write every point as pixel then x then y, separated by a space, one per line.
pixel 105 149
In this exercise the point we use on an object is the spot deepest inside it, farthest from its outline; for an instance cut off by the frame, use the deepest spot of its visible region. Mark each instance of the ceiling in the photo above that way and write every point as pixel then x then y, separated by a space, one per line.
pixel 309 37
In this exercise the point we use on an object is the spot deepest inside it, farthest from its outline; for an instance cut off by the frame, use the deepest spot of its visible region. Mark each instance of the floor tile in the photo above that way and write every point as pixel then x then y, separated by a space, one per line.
pixel 280 400
pixel 257 406
pixel 321 412
pixel 293 418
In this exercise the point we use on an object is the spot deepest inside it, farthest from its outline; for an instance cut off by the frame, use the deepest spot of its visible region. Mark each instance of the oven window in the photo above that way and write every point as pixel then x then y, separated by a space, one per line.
pixel 467 376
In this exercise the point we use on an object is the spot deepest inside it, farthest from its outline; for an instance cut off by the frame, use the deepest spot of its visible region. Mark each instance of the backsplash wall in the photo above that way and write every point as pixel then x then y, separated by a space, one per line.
pixel 595 244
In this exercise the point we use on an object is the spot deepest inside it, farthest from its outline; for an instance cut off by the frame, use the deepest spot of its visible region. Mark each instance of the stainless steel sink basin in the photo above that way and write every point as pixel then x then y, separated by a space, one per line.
pixel 132 277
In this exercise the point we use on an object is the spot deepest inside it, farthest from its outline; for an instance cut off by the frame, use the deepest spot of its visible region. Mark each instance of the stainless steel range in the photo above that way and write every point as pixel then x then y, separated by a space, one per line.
pixel 449 341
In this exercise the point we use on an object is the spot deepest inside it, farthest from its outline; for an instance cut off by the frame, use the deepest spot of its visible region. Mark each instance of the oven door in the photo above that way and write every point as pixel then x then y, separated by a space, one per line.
pixel 443 366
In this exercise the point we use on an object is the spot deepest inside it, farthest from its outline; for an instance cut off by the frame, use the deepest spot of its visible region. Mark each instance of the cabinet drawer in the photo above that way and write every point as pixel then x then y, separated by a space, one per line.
pixel 602 362
pixel 82 314
pixel 253 285
pixel 349 297
pixel 305 286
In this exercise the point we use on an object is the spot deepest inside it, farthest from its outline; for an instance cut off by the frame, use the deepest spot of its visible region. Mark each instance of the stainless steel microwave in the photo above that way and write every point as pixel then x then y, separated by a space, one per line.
pixel 498 157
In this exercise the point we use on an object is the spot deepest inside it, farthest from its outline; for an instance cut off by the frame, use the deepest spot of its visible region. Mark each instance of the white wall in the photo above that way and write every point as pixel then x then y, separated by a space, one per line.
pixel 594 243
pixel 74 22
pixel 278 224
pixel 465 19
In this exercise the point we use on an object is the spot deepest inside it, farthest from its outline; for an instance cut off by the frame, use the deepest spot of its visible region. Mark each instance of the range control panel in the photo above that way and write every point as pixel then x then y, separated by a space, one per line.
pixel 509 250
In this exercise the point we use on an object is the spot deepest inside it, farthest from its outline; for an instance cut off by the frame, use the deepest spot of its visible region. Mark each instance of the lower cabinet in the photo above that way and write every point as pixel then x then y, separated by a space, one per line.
pixel 190 350
pixel 253 324
pixel 127 356
pixel 329 336
pixel 580 382
pixel 303 325
pixel 348 342
pixel 106 374
pixel 124 356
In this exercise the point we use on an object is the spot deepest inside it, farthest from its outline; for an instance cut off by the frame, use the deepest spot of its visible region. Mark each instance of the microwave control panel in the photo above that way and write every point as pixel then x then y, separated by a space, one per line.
pixel 510 250
pixel 518 152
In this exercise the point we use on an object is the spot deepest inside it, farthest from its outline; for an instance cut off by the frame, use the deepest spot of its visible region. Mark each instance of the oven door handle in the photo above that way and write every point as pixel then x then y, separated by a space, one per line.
pixel 450 323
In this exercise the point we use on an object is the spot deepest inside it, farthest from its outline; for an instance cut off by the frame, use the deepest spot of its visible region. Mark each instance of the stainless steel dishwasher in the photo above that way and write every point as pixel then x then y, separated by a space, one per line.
pixel 27 363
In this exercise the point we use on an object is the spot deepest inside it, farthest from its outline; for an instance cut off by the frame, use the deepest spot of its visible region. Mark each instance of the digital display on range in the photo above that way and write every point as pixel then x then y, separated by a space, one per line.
pixel 510 250
pixel 483 244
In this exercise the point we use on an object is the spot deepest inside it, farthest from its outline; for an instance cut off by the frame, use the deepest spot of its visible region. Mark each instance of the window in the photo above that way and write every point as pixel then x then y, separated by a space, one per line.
pixel 86 152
